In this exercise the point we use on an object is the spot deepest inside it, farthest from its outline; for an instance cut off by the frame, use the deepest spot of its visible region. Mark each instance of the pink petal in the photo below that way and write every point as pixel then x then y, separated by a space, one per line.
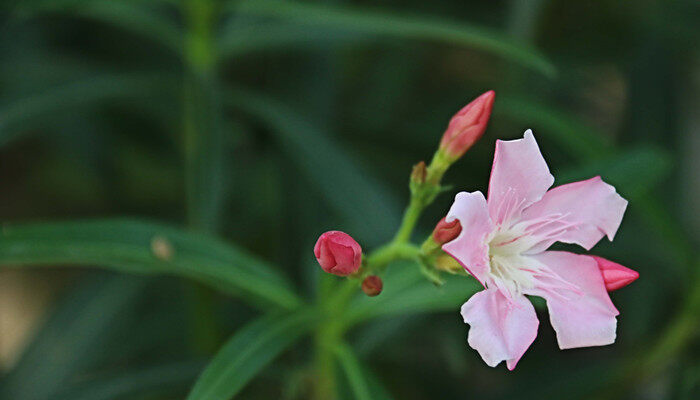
pixel 580 212
pixel 519 177
pixel 586 318
pixel 500 329
pixel 470 248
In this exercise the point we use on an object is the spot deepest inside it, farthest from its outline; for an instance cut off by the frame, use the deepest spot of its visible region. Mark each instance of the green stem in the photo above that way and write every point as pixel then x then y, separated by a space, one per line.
pixel 334 301
pixel 202 166
pixel 410 219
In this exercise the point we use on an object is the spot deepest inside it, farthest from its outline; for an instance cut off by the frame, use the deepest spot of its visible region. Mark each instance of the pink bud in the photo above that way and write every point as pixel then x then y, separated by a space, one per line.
pixel 338 253
pixel 467 126
pixel 446 231
pixel 614 274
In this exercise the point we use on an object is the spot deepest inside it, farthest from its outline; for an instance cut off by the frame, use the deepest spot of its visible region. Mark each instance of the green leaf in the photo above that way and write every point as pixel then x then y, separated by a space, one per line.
pixel 134 16
pixel 363 386
pixel 634 172
pixel 406 291
pixel 126 246
pixel 133 383
pixel 17 116
pixel 248 351
pixel 67 342
pixel 583 142
pixel 406 27
pixel 370 210
pixel 243 38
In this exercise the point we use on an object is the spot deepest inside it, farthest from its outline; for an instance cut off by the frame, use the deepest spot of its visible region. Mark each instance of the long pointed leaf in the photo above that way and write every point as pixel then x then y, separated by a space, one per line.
pixel 369 209
pixel 249 351
pixel 363 386
pixel 385 23
pixel 21 114
pixel 126 246
pixel 136 382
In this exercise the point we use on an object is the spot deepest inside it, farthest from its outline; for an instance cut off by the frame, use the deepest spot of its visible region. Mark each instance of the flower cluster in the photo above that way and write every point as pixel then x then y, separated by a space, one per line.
pixel 503 241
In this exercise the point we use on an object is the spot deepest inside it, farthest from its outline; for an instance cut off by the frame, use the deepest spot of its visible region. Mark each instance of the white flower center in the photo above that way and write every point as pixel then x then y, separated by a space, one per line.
pixel 510 270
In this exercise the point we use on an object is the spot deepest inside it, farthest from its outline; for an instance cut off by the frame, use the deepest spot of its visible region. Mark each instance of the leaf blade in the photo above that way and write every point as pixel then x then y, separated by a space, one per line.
pixel 388 24
pixel 125 245
pixel 247 352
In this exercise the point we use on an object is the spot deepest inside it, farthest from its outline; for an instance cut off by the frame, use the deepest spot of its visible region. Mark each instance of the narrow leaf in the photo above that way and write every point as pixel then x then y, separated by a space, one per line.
pixel 247 352
pixel 138 17
pixel 146 248
pixel 370 210
pixel 18 116
pixel 406 291
pixel 132 383
pixel 361 383
pixel 407 27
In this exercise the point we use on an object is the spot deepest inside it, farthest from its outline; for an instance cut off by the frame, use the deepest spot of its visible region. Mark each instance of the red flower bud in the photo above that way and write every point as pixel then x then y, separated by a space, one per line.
pixel 372 285
pixel 338 253
pixel 614 274
pixel 446 231
pixel 467 126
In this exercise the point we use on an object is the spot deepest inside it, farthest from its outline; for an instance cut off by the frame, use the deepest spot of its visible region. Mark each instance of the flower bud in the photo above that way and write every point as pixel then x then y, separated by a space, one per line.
pixel 614 274
pixel 419 173
pixel 467 126
pixel 446 231
pixel 372 285
pixel 338 253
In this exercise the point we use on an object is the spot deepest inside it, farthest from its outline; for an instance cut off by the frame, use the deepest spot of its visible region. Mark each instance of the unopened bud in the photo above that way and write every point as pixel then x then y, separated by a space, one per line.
pixel 615 275
pixel 467 126
pixel 418 173
pixel 338 253
pixel 372 285
pixel 446 231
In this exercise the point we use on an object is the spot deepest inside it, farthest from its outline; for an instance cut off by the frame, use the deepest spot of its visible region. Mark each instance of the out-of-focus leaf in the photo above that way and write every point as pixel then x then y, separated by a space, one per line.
pixel 137 17
pixel 406 291
pixel 370 210
pixel 69 340
pixel 146 248
pixel 362 386
pixel 248 351
pixel 20 115
pixel 633 172
pixel 385 23
pixel 161 378
pixel 581 141
pixel 253 37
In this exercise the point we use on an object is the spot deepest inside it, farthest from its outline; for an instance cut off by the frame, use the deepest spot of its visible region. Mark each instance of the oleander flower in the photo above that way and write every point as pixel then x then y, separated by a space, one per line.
pixel 504 242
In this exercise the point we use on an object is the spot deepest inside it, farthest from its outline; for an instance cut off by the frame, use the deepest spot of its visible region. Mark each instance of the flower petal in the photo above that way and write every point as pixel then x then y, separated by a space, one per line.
pixel 583 319
pixel 580 212
pixel 470 248
pixel 500 329
pixel 519 177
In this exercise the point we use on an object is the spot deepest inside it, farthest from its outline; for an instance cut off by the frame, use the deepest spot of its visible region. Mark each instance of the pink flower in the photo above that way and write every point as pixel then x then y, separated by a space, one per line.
pixel 338 253
pixel 503 244
pixel 467 126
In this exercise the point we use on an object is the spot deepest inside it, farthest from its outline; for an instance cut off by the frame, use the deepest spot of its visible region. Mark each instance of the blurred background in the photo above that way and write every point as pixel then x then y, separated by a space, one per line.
pixel 267 122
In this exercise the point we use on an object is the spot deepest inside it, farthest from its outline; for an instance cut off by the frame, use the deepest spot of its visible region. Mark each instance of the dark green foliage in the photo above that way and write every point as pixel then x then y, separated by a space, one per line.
pixel 246 128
